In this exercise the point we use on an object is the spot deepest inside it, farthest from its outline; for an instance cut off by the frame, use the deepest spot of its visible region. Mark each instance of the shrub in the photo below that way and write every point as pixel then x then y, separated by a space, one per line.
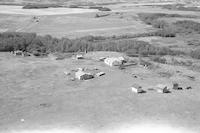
pixel 166 74
pixel 161 24
pixel 104 9
pixel 37 46
pixel 180 7
pixel 150 18
pixel 132 53
pixel 181 62
pixel 73 6
pixel 159 59
pixel 194 42
pixel 95 7
pixel 166 30
pixel 38 6
pixel 195 53
pixel 188 26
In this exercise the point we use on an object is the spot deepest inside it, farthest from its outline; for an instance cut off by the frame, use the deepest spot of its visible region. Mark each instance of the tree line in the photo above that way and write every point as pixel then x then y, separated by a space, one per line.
pixel 166 29
pixel 33 43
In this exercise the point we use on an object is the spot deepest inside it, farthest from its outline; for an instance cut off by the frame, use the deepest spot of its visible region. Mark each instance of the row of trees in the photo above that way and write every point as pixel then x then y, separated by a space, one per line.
pixel 195 53
pixel 33 43
pixel 165 29
pixel 170 30
pixel 181 7
pixel 188 26
pixel 152 18
pixel 39 6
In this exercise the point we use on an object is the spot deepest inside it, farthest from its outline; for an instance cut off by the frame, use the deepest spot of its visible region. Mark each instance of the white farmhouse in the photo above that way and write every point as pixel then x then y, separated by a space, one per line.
pixel 114 61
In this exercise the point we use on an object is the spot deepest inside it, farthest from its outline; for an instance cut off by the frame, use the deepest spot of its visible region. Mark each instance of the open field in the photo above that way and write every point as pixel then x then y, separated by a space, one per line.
pixel 69 25
pixel 75 22
pixel 4 9
pixel 37 91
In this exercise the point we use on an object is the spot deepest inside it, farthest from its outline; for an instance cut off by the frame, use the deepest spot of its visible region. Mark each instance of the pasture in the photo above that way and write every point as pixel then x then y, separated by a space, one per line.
pixel 37 91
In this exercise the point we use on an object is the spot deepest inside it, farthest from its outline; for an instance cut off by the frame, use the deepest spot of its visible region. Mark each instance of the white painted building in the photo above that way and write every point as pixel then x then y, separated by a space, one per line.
pixel 114 61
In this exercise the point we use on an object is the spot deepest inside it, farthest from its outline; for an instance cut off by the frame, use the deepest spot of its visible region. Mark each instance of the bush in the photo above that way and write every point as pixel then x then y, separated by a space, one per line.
pixel 10 41
pixel 37 46
pixel 104 9
pixel 95 7
pixel 161 24
pixel 195 53
pixel 194 42
pixel 132 53
pixel 166 74
pixel 39 6
pixel 151 18
pixel 180 7
pixel 166 32
pixel 188 26
pixel 159 59
pixel 74 6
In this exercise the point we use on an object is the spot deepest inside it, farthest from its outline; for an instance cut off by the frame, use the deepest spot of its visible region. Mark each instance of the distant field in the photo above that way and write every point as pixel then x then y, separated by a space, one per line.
pixel 76 22
pixel 4 9
pixel 70 22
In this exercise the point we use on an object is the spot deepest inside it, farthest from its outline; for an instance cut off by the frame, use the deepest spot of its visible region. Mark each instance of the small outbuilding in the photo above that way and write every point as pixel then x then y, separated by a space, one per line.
pixel 27 54
pixel 18 53
pixel 102 58
pixel 176 86
pixel 83 75
pixel 160 88
pixel 100 74
pixel 67 73
pixel 137 88
pixel 79 57
pixel 188 88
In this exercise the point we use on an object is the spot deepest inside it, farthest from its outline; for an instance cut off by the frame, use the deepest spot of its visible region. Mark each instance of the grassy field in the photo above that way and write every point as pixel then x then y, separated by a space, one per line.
pixel 72 23
pixel 37 95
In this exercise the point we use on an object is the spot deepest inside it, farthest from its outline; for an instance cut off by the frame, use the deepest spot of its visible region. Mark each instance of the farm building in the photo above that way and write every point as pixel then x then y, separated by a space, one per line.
pixel 79 57
pixel 160 88
pixel 18 52
pixel 137 88
pixel 100 74
pixel 114 61
pixel 83 76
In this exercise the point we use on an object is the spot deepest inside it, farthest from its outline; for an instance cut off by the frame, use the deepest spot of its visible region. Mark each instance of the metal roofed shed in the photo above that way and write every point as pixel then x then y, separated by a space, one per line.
pixel 79 57
pixel 160 88
pixel 100 74
pixel 83 75
pixel 137 88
